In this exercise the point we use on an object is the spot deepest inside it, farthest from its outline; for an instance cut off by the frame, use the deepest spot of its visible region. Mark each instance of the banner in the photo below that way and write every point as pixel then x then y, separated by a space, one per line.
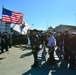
pixel 11 17
pixel 22 28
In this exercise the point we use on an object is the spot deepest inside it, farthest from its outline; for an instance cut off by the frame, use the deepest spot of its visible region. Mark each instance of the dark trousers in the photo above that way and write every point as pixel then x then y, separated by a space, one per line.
pixel 35 58
pixel 51 56
pixel 4 46
pixel 9 44
pixel 66 56
pixel 72 60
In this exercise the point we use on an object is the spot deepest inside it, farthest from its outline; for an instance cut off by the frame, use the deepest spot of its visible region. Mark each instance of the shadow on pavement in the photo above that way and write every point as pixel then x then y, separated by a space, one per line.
pixel 43 70
pixel 23 47
pixel 27 54
pixel 49 70
pixel 64 72
pixel 2 58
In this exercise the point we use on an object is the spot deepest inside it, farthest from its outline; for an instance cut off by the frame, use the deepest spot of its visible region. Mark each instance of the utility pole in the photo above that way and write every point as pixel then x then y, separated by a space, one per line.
pixel 75 19
pixel 32 26
pixel 47 24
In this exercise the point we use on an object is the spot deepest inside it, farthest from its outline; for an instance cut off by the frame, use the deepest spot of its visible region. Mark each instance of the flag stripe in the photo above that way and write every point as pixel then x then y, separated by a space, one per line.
pixel 12 17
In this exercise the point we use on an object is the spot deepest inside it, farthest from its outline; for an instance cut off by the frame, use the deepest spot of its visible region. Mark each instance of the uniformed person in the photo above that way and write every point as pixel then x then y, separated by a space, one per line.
pixel 35 47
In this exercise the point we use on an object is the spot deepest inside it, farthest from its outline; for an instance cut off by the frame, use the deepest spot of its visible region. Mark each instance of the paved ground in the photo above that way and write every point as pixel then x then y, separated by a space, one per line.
pixel 19 61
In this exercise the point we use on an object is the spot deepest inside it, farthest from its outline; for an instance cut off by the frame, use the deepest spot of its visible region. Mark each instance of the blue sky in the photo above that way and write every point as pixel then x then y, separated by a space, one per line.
pixel 41 14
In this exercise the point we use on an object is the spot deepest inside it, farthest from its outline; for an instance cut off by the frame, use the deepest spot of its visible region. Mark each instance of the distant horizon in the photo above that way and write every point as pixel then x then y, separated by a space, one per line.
pixel 53 27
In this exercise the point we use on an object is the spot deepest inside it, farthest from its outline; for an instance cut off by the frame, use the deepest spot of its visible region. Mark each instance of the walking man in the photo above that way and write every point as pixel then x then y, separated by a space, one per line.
pixel 35 47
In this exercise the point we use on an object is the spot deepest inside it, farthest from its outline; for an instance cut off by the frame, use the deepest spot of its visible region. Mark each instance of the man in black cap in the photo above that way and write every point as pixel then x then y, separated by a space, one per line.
pixel 35 47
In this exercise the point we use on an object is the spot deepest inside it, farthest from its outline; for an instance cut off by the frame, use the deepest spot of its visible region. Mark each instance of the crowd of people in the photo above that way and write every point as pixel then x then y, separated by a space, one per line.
pixel 68 41
pixel 5 42
pixel 64 41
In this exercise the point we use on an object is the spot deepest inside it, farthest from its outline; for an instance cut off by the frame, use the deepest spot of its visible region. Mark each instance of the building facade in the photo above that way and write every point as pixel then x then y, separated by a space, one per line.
pixel 62 28
pixel 4 27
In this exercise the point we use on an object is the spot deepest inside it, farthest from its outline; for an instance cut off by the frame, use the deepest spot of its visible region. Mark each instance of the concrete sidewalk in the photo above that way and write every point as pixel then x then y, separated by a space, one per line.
pixel 19 61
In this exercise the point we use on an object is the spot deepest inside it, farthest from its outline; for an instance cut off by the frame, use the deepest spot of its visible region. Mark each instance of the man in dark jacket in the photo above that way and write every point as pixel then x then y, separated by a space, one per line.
pixel 66 45
pixel 35 47
pixel 72 51
pixel 4 43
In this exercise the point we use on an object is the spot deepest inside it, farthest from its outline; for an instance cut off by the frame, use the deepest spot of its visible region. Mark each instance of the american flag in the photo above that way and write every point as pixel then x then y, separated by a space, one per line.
pixel 11 17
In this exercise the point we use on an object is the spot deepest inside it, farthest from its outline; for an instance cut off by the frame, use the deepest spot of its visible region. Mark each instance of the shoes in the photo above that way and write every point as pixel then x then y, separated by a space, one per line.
pixel 34 66
pixel 0 53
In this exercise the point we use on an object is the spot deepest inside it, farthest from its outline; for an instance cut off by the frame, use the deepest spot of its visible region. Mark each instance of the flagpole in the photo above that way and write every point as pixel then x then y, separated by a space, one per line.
pixel 2 7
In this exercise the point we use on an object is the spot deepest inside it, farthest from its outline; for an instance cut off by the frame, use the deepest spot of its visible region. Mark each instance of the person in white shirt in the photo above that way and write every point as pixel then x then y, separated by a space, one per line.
pixel 51 44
